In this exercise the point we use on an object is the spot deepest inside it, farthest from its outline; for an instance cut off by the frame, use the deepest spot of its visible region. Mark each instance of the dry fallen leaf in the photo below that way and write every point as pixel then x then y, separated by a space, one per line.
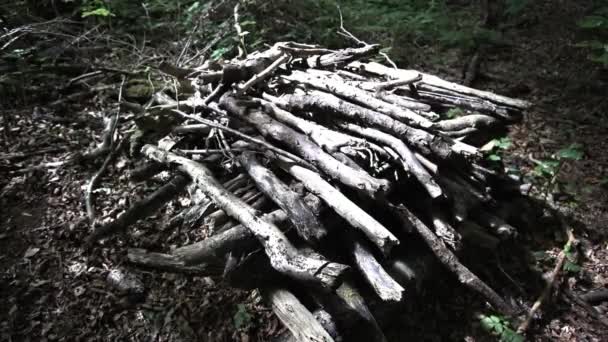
pixel 31 252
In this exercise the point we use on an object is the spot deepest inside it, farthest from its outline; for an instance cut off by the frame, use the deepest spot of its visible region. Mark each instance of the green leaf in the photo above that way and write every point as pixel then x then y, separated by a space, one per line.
pixel 511 336
pixel 593 21
pixel 546 168
pixel 571 267
pixel 242 318
pixel 195 5
pixel 494 157
pixel 572 152
pixel 603 58
pixel 99 12
pixel 504 143
pixel 454 112
pixel 218 53
pixel 492 324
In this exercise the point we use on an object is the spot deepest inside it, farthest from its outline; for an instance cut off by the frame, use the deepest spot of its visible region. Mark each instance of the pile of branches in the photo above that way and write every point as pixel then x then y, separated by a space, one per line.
pixel 327 182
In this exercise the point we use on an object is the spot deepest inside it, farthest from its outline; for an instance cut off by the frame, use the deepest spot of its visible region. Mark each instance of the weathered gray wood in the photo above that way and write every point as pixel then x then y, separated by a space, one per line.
pixel 170 263
pixel 283 255
pixel 336 86
pixel 235 238
pixel 380 69
pixel 405 154
pixel 295 316
pixel 324 318
pixel 306 223
pixel 352 213
pixel 383 284
pixel 428 144
pixel 449 260
pixel 306 148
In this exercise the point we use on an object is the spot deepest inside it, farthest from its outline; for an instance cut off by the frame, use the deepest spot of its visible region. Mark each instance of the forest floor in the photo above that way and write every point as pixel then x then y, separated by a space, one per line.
pixel 53 289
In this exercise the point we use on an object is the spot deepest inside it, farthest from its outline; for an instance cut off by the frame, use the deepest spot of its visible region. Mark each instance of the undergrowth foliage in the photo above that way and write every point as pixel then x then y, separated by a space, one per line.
pixel 595 26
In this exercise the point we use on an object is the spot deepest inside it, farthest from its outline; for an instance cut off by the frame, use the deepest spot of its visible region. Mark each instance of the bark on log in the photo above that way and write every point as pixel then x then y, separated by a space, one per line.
pixel 358 96
pixel 450 261
pixel 305 222
pixel 295 316
pixel 283 256
pixel 383 284
pixel 464 122
pixel 432 146
pixel 324 318
pixel 344 207
pixel 410 162
pixel 306 148
pixel 379 69
pixel 235 238
pixel 169 263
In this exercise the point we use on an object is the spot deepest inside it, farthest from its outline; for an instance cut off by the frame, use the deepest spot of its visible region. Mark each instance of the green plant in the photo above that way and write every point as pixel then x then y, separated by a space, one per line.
pixel 548 170
pixel 597 25
pixel 95 8
pixel 496 148
pixel 242 318
pixel 500 327
pixel 570 264
pixel 454 112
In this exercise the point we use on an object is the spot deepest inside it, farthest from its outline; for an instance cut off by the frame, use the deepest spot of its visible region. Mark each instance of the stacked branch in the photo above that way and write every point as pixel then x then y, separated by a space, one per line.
pixel 349 172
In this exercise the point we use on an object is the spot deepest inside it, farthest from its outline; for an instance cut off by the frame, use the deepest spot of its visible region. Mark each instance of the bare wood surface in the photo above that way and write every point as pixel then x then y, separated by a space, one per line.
pixel 296 317
pixel 283 256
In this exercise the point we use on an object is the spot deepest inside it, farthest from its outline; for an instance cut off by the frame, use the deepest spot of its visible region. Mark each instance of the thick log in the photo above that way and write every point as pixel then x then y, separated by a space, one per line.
pixel 423 109
pixel 142 208
pixel 170 263
pixel 324 318
pixel 379 69
pixel 438 96
pixel 406 156
pixel 467 121
pixel 353 94
pixel 283 255
pixel 306 223
pixel 351 312
pixel 450 261
pixel 329 140
pixel 295 316
pixel 344 207
pixel 235 238
pixel 306 148
pixel 430 145
pixel 381 282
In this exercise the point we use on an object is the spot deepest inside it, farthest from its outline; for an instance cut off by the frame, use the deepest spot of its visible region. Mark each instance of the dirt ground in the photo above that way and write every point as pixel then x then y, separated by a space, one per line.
pixel 53 289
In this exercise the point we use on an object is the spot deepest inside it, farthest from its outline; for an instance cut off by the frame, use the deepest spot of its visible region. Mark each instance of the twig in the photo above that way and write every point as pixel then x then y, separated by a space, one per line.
pixel 244 136
pixel 262 75
pixel 561 259
pixel 398 83
pixel 239 32
pixel 344 32
pixel 93 182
